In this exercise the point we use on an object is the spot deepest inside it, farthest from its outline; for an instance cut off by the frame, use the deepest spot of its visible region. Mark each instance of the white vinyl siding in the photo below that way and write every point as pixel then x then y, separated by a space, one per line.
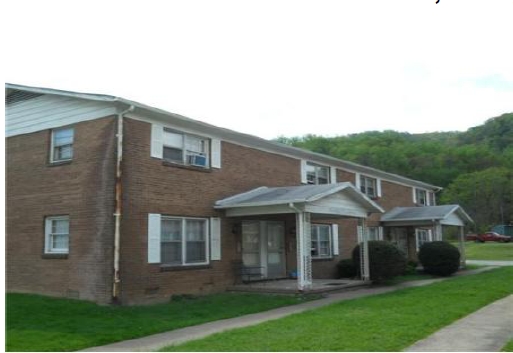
pixel 57 235
pixel 50 112
pixel 61 148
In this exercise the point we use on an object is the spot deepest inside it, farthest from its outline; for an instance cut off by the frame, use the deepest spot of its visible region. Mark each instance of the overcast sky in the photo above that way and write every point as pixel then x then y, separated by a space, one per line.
pixel 272 68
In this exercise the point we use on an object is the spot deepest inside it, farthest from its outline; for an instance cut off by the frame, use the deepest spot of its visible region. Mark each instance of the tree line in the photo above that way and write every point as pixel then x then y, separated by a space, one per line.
pixel 475 167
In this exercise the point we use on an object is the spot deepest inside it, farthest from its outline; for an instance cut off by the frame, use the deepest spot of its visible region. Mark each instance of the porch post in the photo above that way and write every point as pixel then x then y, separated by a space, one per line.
pixel 364 252
pixel 304 252
pixel 461 246
pixel 438 231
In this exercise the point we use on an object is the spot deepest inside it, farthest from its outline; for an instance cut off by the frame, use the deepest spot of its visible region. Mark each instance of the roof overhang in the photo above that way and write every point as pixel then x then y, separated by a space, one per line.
pixel 322 201
pixel 450 215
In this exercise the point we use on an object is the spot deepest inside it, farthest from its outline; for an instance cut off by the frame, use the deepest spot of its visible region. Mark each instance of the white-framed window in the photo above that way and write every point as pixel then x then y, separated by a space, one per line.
pixel 57 235
pixel 423 236
pixel 373 233
pixel 321 241
pixel 369 186
pixel 317 174
pixel 421 197
pixel 185 149
pixel 61 148
pixel 183 241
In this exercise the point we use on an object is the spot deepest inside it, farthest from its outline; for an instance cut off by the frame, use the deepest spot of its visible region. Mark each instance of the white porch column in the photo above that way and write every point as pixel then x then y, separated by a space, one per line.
pixel 461 246
pixel 364 252
pixel 304 251
pixel 438 231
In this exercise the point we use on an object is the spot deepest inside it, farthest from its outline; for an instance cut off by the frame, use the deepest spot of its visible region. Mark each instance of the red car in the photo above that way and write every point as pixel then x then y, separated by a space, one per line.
pixel 489 236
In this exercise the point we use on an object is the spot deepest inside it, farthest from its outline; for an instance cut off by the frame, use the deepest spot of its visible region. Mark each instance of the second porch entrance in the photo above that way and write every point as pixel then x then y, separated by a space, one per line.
pixel 263 246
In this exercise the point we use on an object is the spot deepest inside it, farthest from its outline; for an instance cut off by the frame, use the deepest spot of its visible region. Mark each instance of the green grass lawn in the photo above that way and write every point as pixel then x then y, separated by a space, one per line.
pixel 39 323
pixel 508 347
pixel 387 322
pixel 489 251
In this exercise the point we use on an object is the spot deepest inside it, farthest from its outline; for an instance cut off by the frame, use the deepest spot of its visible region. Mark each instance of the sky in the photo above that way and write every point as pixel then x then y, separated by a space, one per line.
pixel 275 68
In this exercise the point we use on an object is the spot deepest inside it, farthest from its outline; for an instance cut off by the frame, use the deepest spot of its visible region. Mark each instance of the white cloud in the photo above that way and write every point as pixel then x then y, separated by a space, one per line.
pixel 276 67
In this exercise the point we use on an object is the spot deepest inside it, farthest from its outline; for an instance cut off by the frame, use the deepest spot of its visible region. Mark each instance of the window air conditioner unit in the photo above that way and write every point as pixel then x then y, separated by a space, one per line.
pixel 197 160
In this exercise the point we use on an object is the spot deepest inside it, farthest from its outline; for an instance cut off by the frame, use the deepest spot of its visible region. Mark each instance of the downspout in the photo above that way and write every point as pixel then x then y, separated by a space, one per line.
pixel 118 203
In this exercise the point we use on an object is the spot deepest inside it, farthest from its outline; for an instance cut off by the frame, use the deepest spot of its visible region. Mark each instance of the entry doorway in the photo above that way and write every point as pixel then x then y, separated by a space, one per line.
pixel 399 237
pixel 263 246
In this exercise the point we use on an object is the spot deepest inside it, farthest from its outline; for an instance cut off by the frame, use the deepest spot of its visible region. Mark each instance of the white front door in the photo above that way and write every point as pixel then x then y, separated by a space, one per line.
pixel 263 245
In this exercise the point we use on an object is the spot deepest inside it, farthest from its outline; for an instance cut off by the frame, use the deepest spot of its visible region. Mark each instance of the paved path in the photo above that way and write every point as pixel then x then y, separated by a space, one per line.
pixel 489 263
pixel 486 330
pixel 160 340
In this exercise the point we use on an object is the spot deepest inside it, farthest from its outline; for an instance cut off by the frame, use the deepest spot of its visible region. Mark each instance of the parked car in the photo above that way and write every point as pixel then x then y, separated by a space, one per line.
pixel 488 236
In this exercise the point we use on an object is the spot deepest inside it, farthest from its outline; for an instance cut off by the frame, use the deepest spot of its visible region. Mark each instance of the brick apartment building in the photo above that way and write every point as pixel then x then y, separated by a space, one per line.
pixel 109 199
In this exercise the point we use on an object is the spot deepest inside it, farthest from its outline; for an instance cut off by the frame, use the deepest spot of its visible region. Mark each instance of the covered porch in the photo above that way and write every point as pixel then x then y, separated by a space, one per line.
pixel 264 249
pixel 410 227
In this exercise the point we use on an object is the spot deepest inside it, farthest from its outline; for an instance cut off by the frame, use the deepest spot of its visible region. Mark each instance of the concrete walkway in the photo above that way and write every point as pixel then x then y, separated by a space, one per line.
pixel 486 330
pixel 489 263
pixel 160 340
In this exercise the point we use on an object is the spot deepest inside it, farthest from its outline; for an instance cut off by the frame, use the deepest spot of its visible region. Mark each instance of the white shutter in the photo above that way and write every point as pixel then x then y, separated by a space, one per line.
pixel 357 181
pixel 216 153
pixel 378 187
pixel 359 232
pixel 334 233
pixel 304 179
pixel 333 175
pixel 48 231
pixel 380 233
pixel 414 196
pixel 215 238
pixel 154 238
pixel 157 138
pixel 430 235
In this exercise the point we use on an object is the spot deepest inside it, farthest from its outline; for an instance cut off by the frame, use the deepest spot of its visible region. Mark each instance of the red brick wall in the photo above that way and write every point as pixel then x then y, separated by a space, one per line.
pixel 82 189
pixel 151 186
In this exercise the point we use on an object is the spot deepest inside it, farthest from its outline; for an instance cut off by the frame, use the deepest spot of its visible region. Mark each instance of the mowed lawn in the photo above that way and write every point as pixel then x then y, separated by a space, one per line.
pixel 39 323
pixel 489 251
pixel 387 322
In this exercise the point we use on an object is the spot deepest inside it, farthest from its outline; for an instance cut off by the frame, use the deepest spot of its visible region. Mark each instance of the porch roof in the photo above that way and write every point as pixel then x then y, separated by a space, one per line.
pixel 341 199
pixel 445 214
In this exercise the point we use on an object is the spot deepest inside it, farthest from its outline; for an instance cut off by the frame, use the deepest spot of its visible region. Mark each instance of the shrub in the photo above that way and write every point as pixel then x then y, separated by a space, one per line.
pixel 346 268
pixel 411 268
pixel 439 258
pixel 385 260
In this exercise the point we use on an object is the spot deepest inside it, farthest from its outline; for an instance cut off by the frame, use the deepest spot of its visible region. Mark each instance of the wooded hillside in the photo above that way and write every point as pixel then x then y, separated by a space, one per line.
pixel 474 167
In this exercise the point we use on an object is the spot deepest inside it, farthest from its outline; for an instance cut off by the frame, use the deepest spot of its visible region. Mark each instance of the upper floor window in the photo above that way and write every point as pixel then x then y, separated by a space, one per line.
pixel 369 186
pixel 62 145
pixel 57 235
pixel 317 174
pixel 321 240
pixel 421 197
pixel 185 149
pixel 183 241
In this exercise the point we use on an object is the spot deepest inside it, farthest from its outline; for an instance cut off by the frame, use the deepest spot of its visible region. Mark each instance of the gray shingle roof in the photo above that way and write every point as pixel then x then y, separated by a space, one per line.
pixel 263 196
pixel 423 213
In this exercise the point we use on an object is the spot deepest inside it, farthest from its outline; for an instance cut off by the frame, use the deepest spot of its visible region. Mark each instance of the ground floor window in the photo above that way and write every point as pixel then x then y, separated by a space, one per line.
pixel 422 236
pixel 57 235
pixel 183 241
pixel 321 241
